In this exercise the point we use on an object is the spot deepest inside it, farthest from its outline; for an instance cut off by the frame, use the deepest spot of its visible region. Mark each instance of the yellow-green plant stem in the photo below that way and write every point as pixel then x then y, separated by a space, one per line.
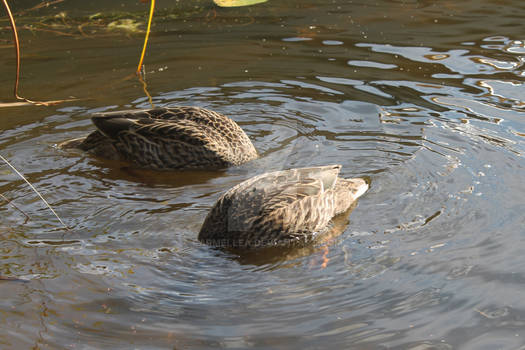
pixel 151 10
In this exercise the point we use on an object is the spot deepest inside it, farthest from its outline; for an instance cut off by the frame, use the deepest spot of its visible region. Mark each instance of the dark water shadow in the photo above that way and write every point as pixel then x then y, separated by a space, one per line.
pixel 114 170
pixel 171 178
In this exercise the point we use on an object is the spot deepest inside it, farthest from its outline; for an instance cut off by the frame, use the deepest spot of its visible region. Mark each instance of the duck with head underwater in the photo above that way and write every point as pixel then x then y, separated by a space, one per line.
pixel 279 208
pixel 168 138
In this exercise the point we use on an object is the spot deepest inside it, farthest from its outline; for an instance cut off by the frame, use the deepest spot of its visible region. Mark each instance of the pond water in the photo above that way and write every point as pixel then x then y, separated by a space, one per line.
pixel 425 98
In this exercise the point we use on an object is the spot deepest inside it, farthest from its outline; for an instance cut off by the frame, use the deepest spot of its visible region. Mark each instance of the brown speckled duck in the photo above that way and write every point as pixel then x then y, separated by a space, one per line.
pixel 279 208
pixel 168 138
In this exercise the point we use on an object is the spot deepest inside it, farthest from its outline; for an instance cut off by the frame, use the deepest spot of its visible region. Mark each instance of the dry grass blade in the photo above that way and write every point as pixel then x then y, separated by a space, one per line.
pixel 17 46
pixel 34 189
pixel 17 49
pixel 39 6
pixel 12 279
pixel 17 208
pixel 14 104
pixel 47 103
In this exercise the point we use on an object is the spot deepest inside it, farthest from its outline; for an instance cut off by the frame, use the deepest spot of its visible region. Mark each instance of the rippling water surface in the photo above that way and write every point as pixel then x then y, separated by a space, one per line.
pixel 425 98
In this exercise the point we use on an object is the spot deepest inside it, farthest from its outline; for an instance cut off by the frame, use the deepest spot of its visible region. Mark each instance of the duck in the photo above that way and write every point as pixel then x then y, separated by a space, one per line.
pixel 280 208
pixel 178 137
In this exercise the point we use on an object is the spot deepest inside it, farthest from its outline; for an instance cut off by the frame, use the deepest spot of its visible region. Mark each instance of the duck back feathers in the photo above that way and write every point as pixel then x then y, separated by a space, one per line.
pixel 171 138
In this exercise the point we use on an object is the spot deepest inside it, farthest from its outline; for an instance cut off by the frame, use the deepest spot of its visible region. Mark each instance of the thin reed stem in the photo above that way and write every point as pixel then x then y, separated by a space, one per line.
pixel 35 190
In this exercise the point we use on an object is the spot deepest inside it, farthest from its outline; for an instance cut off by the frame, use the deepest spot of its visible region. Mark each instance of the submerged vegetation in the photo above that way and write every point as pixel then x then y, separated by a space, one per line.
pixel 99 23
pixel 105 23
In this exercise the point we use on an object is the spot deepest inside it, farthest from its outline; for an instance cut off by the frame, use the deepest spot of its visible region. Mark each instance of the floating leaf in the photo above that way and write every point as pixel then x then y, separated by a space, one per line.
pixel 235 3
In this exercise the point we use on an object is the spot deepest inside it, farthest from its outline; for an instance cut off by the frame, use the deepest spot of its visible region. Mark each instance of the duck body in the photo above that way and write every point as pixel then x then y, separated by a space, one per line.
pixel 168 138
pixel 280 208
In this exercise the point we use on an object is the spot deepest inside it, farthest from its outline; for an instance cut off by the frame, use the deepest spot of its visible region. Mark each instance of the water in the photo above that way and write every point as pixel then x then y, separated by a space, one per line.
pixel 426 99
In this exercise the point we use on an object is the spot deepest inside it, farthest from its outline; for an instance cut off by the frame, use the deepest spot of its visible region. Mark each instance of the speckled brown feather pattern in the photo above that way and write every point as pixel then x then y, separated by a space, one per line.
pixel 282 207
pixel 96 143
pixel 169 138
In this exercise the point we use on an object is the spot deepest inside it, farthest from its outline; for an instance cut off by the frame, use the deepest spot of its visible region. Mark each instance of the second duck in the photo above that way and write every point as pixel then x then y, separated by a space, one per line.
pixel 168 138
